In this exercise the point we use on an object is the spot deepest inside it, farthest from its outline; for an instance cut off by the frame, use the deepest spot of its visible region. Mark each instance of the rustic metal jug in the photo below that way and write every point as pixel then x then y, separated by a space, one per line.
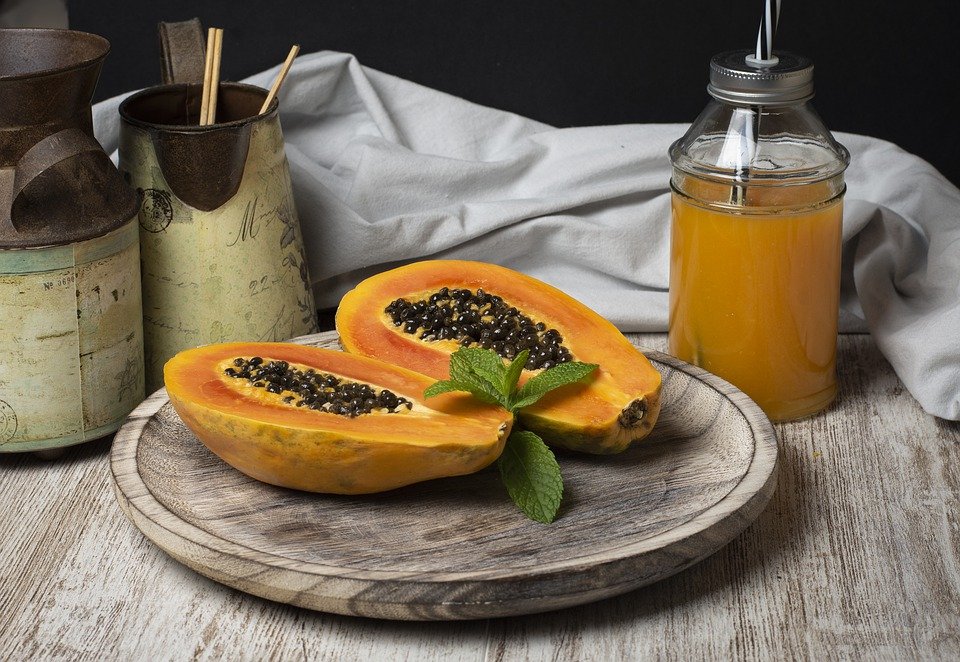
pixel 71 343
pixel 223 256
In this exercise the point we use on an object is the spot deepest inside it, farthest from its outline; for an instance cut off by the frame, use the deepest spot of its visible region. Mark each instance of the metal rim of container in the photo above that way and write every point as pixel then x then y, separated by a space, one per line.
pixel 193 128
pixel 80 64
pixel 734 80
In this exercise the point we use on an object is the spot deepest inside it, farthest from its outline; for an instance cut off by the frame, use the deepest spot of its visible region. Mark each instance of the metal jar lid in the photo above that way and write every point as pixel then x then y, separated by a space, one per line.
pixel 737 78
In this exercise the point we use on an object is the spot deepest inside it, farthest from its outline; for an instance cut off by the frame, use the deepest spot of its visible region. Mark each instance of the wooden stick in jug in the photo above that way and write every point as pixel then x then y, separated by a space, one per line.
pixel 278 81
pixel 215 77
pixel 207 74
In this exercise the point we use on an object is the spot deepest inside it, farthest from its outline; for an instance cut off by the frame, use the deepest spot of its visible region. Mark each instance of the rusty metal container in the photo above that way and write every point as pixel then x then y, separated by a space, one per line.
pixel 71 339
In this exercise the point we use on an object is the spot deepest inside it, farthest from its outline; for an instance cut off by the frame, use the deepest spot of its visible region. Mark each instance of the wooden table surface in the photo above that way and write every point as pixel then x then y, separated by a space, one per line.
pixel 857 556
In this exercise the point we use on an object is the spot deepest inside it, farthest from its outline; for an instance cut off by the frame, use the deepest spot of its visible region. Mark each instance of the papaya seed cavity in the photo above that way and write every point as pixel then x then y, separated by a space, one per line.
pixel 314 390
pixel 477 318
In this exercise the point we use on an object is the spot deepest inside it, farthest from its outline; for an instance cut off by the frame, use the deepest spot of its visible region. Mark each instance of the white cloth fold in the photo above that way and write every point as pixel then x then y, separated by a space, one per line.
pixel 386 171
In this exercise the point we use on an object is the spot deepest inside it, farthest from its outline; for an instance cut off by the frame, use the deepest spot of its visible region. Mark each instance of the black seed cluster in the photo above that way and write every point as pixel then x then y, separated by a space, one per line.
pixel 315 390
pixel 481 319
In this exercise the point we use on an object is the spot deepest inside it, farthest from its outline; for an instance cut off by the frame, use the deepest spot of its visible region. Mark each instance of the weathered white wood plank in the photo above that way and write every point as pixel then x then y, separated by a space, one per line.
pixel 78 581
pixel 857 556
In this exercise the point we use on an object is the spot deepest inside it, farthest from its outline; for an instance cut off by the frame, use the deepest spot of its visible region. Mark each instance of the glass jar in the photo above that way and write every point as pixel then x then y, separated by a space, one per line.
pixel 756 236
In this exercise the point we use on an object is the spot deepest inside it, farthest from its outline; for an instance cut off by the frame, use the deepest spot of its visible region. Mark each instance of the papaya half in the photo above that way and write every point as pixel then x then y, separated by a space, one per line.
pixel 326 421
pixel 417 315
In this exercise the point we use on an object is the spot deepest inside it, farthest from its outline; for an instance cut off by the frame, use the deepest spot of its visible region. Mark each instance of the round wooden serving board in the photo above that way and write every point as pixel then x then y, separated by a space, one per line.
pixel 457 548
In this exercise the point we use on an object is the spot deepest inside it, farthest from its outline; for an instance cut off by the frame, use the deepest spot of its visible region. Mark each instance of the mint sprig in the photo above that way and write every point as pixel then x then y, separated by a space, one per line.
pixel 528 467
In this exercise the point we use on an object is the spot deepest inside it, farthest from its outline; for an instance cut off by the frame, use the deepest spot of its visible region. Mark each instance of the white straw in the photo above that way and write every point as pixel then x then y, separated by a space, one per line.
pixel 750 129
pixel 768 29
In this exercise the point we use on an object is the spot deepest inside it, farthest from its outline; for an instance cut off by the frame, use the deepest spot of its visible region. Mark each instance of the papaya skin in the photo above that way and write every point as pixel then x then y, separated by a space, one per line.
pixel 295 447
pixel 616 407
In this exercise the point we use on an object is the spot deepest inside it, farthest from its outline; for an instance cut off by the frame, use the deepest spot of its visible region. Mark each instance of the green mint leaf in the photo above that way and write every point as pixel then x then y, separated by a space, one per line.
pixel 548 380
pixel 527 466
pixel 462 374
pixel 484 363
pixel 438 388
pixel 475 389
pixel 532 476
pixel 512 374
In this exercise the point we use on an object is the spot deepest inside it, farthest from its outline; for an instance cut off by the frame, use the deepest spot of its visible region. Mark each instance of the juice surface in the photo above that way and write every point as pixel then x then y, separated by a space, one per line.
pixel 754 297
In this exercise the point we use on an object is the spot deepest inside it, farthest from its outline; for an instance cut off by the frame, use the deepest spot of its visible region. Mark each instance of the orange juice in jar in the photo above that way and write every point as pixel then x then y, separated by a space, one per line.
pixel 756 224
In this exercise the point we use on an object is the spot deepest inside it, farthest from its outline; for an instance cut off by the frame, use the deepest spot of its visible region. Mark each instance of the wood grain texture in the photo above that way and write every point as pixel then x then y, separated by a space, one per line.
pixel 856 557
pixel 457 548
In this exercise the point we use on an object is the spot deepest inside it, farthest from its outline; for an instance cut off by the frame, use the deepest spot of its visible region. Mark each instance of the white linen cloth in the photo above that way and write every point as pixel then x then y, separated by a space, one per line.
pixel 386 171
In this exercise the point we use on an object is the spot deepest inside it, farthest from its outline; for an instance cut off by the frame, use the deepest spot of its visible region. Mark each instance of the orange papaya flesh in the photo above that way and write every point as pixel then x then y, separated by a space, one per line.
pixel 274 441
pixel 618 405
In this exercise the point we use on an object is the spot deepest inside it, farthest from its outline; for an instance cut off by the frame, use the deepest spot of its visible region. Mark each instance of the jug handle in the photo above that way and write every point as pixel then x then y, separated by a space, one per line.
pixel 181 51
pixel 47 153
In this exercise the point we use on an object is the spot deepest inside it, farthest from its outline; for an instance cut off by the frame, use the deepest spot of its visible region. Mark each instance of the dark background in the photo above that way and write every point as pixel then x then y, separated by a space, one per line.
pixel 884 68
